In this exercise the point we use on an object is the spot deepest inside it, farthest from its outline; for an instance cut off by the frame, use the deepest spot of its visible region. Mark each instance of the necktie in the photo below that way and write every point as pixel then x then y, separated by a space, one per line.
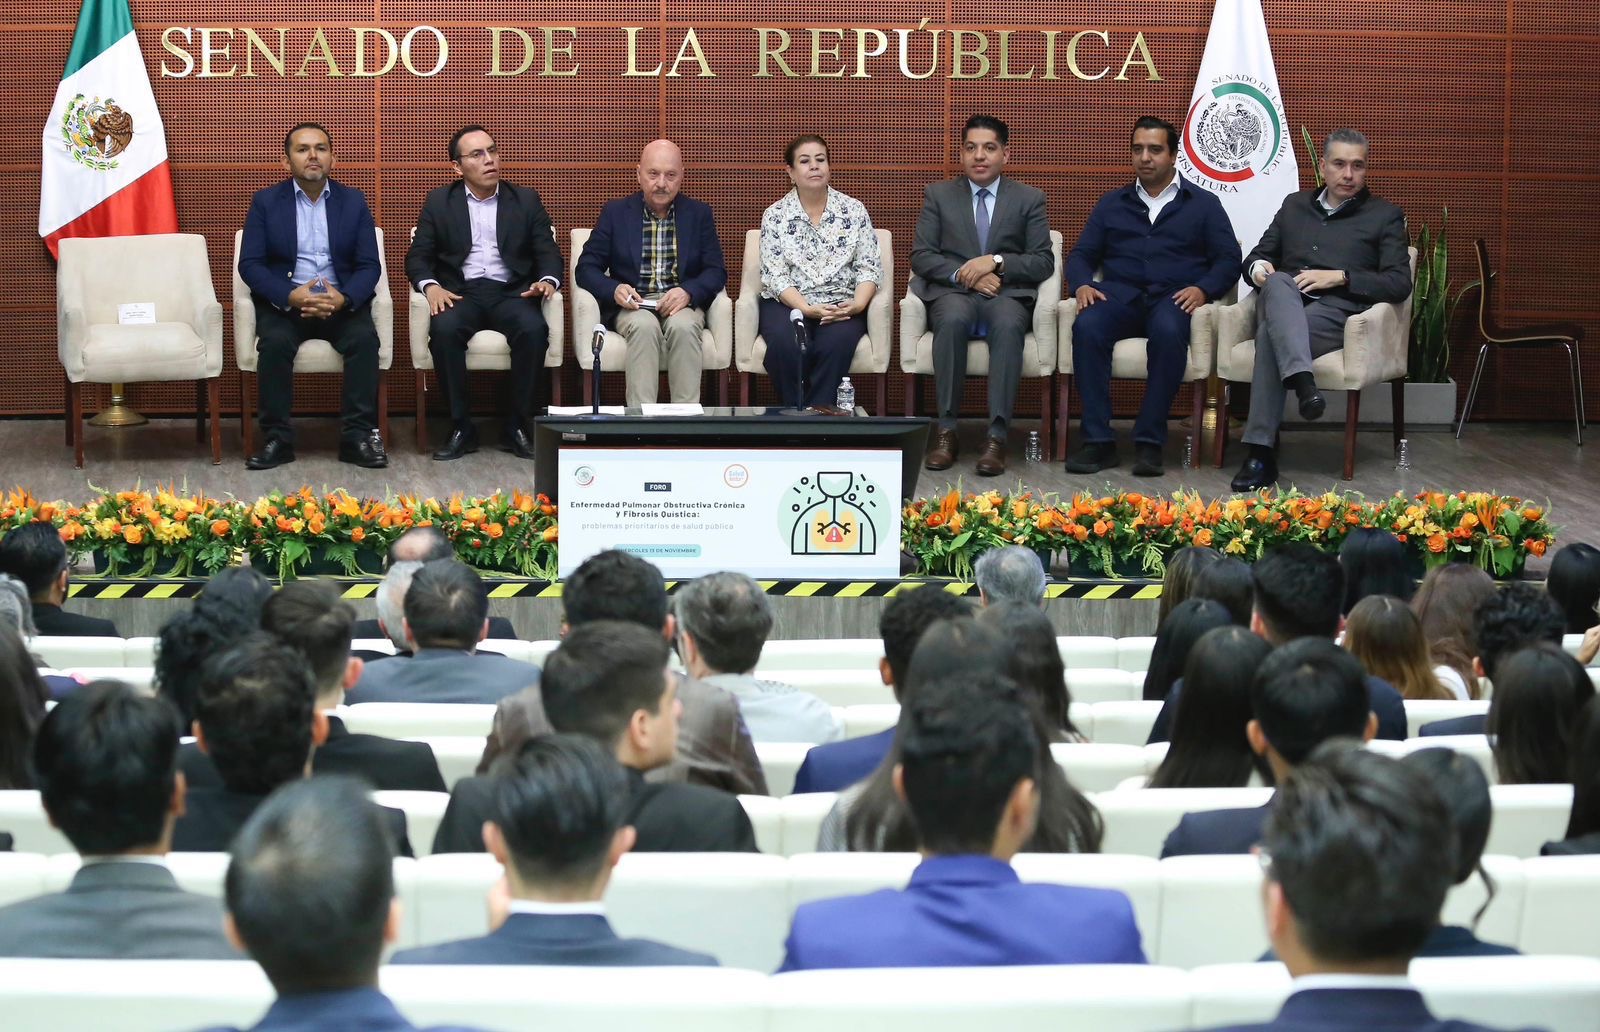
pixel 980 328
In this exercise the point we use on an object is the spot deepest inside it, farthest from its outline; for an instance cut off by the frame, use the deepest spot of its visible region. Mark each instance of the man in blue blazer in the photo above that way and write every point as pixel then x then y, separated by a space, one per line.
pixel 310 257
pixel 557 826
pixel 1162 247
pixel 968 772
pixel 1355 880
pixel 655 265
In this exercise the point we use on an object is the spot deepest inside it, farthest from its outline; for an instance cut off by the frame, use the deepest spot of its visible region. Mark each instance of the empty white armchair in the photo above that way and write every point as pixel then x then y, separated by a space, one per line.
pixel 172 273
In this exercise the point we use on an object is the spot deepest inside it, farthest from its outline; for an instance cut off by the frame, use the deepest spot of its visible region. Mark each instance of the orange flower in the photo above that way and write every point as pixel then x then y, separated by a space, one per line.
pixel 220 528
pixel 1019 509
pixel 1263 515
pixel 550 533
pixel 1437 543
pixel 935 519
pixel 1202 537
pixel 1165 518
pixel 70 530
pixel 358 535
pixel 1468 521
pixel 956 520
pixel 546 509
pixel 476 543
pixel 133 535
pixel 1532 514
pixel 512 520
pixel 45 514
pixel 1079 532
pixel 1535 545
pixel 494 530
pixel 1101 528
pixel 1324 519
pixel 283 524
pixel 316 525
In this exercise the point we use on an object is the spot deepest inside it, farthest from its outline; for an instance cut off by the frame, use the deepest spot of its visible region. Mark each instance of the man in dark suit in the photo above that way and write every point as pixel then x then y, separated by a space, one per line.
pixel 1306 693
pixel 310 896
pixel 310 258
pixel 1515 616
pixel 485 257
pixel 1164 248
pixel 557 827
pixel 255 717
pixel 969 770
pixel 838 765
pixel 609 680
pixel 1356 869
pixel 446 615
pixel 105 764
pixel 418 545
pixel 655 265
pixel 35 555
pixel 1328 254
pixel 981 250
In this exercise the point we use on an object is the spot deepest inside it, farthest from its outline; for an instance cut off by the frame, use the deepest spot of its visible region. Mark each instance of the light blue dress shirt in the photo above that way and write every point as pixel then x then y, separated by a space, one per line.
pixel 313 257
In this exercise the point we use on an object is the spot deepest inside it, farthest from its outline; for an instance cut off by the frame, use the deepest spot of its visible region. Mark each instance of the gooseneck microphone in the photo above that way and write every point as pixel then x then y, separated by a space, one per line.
pixel 596 342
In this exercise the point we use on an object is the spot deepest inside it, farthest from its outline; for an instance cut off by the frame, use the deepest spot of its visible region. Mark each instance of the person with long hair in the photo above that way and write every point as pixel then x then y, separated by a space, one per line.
pixel 1177 582
pixel 227 609
pixel 1538 693
pixel 1374 563
pixel 1228 581
pixel 1209 748
pixel 1034 663
pixel 1183 627
pixel 22 698
pixel 1574 582
pixel 1583 825
pixel 1386 636
pixel 1445 602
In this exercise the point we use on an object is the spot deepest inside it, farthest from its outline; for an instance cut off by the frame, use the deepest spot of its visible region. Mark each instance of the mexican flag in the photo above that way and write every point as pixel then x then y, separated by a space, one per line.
pixel 105 170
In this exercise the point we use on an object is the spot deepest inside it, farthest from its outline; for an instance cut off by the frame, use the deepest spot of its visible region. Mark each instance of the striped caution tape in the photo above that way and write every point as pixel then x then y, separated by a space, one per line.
pixel 1095 591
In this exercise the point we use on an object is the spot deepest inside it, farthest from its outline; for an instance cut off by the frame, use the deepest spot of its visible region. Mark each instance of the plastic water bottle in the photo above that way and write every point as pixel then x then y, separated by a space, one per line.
pixel 1034 452
pixel 1188 451
pixel 1402 459
pixel 846 398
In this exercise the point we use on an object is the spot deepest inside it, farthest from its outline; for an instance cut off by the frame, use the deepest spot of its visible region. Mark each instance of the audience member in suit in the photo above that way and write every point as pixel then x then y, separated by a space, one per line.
pixel 714 745
pixel 723 623
pixel 609 680
pixel 35 554
pixel 484 255
pixel 1446 603
pixel 1583 758
pixel 557 825
pixel 1539 690
pixel 22 708
pixel 968 772
pixel 1354 885
pixel 1305 693
pixel 1162 247
pixel 656 245
pixel 1009 574
pixel 257 720
pixel 1209 748
pixel 106 765
pixel 227 609
pixel 446 615
pixel 838 765
pixel 390 600
pixel 309 255
pixel 417 545
pixel 981 249
pixel 1298 591
pixel 310 896
pixel 1508 619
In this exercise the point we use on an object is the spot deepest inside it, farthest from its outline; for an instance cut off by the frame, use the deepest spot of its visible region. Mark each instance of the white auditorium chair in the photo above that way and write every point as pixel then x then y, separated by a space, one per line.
pixel 869 720
pixel 1526 817
pixel 511 648
pixel 538 650
pixel 142 678
pixel 1123 723
pixel 780 761
pixel 1082 716
pixel 1570 643
pixel 139 652
pixel 814 876
pixel 1098 684
pixel 1474 746
pixel 1426 711
pixel 1133 654
pixel 61 651
pixel 1097 767
pixel 424 811
pixel 1094 651
pixel 836 687
pixel 372 645
pixel 457 755
pixel 417 719
pixel 23 816
pixel 734 906
pixel 1138 822
pixel 22 876
pixel 854 654
pixel 802 817
pixel 766 820
pixel 1561 905
pixel 131 995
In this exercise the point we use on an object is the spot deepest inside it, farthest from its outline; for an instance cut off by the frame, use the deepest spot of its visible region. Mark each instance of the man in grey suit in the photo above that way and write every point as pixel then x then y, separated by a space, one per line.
pixel 981 250
pixel 446 615
pixel 106 763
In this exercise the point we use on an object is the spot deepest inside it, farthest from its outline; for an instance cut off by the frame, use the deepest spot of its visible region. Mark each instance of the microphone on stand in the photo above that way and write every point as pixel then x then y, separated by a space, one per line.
pixel 597 341
pixel 801 339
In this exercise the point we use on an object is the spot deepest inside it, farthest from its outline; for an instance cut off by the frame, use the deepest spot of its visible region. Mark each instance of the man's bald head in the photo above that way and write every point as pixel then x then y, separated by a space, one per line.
pixel 660 174
pixel 420 545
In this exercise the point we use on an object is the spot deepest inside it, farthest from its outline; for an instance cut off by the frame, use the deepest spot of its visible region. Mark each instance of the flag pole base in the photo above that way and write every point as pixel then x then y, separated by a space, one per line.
pixel 118 414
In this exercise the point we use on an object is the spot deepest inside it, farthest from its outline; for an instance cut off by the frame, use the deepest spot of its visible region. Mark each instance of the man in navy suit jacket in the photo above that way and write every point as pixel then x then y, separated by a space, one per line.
pixel 968 772
pixel 659 248
pixel 1306 693
pixel 310 257
pixel 1164 248
pixel 557 827
pixel 1354 886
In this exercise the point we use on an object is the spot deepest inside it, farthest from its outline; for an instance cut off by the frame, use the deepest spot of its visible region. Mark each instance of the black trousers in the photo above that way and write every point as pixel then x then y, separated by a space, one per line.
pixel 491 305
pixel 828 355
pixel 350 331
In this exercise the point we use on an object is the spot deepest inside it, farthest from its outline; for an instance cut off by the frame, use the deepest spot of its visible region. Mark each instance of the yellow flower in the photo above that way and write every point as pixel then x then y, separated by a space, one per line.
pixel 1234 547
pixel 297 525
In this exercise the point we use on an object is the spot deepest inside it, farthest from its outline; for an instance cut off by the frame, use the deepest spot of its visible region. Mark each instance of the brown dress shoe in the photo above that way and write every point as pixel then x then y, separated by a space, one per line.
pixel 992 462
pixel 942 450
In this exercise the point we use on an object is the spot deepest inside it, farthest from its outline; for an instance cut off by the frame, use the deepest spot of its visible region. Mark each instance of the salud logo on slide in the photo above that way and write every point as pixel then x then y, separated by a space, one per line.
pixel 1234 131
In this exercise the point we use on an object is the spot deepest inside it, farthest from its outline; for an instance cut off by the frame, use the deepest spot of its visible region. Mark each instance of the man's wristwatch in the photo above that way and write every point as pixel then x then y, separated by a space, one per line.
pixel 999 264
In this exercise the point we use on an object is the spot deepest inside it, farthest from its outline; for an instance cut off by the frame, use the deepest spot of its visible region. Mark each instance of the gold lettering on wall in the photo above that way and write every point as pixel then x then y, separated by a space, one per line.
pixel 391 52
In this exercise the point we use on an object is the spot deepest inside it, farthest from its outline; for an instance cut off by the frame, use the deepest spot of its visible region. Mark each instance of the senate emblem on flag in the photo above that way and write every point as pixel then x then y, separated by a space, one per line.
pixel 96 131
pixel 1234 131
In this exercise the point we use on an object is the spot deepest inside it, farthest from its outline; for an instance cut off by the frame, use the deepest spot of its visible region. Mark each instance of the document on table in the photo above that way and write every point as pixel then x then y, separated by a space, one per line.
pixel 672 410
pixel 584 410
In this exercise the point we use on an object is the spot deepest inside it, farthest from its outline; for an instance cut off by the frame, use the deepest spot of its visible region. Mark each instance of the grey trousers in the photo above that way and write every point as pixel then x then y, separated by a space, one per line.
pixel 952 317
pixel 647 334
pixel 1291 331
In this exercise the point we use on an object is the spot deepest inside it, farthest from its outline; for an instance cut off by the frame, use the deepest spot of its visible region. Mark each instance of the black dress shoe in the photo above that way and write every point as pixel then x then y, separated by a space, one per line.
pixel 1093 457
pixel 460 443
pixel 518 443
pixel 1147 461
pixel 1256 473
pixel 272 454
pixel 363 454
pixel 1312 404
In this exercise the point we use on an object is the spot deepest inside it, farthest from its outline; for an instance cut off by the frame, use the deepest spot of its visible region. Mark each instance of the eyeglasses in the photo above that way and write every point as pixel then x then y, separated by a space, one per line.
pixel 478 154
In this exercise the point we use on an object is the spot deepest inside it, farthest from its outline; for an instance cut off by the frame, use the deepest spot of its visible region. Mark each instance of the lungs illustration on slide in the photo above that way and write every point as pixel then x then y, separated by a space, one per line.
pixel 833 512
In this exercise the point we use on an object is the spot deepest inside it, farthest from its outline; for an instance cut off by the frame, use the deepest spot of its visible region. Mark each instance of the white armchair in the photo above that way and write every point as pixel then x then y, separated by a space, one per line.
pixel 1375 350
pixel 486 349
pixel 716 340
pixel 1038 347
pixel 872 351
pixel 315 355
pixel 170 270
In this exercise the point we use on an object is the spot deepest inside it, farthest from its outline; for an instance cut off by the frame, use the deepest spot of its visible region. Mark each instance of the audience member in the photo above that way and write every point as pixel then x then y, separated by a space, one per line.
pixel 1033 661
pixel 1538 693
pixel 723 622
pixel 256 719
pixel 609 680
pixel 968 774
pixel 227 609
pixel 1574 582
pixel 1303 694
pixel 420 545
pixel 1210 747
pixel 1374 563
pixel 22 707
pixel 1446 602
pixel 1229 581
pixel 390 601
pixel 310 896
pixel 714 745
pixel 1583 760
pixel 1183 567
pixel 1188 621
pixel 838 765
pixel 1010 574
pixel 1354 886
pixel 35 554
pixel 557 825
pixel 1386 636
pixel 106 768
pixel 17 611
pixel 1506 620
pixel 446 614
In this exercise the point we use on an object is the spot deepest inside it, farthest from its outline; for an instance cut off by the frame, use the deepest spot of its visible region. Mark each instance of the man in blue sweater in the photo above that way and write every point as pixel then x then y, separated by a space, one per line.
pixel 1151 253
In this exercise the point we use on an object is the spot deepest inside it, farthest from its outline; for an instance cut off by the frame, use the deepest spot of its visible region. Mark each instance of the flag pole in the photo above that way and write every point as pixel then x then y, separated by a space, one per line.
pixel 117 413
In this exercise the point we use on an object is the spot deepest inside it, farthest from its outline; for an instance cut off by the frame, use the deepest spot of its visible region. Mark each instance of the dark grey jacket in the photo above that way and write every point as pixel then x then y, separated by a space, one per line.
pixel 117 911
pixel 947 237
pixel 1366 238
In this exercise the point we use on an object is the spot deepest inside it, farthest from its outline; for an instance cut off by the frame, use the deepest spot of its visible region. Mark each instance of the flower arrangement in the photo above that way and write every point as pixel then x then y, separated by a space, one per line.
pixel 137 533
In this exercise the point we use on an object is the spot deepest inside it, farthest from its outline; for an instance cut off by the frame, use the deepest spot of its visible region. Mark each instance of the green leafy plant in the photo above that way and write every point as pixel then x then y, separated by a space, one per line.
pixel 1311 155
pixel 1429 360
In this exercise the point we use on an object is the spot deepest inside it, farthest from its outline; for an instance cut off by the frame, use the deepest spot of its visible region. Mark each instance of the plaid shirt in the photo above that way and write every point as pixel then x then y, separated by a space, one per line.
pixel 659 257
